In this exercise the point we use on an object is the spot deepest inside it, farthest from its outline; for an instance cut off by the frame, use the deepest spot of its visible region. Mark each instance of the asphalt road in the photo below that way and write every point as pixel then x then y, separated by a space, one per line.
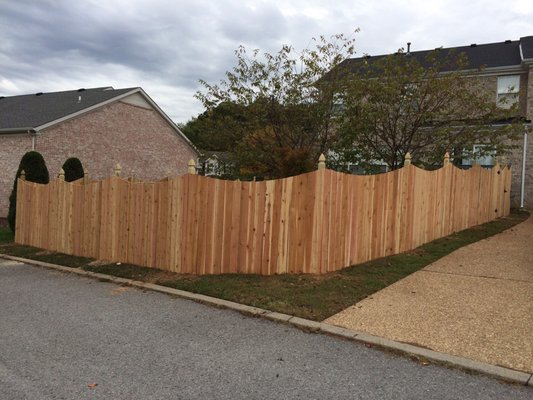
pixel 67 337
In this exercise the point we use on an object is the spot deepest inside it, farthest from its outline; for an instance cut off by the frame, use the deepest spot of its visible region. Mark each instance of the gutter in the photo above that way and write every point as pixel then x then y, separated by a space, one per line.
pixel 18 130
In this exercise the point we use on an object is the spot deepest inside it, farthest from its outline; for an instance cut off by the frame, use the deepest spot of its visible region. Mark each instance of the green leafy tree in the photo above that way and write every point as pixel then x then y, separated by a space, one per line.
pixel 219 128
pixel 73 169
pixel 35 170
pixel 284 105
pixel 425 106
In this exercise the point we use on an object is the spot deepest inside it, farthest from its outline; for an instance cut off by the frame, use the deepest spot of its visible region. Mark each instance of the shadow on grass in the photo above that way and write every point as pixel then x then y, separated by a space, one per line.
pixel 307 296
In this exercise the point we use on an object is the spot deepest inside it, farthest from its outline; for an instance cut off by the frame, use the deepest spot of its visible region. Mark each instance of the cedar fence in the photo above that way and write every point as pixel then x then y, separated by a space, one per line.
pixel 317 222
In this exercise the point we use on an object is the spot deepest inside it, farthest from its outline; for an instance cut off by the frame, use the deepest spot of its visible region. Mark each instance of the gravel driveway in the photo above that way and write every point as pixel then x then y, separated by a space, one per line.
pixel 477 303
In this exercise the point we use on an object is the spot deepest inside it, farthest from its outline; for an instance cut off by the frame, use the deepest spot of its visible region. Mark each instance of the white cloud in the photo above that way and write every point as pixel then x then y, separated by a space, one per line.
pixel 7 86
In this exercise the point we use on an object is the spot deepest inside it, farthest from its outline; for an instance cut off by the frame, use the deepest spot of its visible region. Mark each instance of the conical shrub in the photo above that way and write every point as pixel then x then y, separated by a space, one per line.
pixel 73 169
pixel 35 169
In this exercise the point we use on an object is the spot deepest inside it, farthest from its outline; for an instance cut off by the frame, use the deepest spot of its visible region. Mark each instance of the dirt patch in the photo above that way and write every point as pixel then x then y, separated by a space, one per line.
pixel 161 276
pixel 97 263
pixel 44 253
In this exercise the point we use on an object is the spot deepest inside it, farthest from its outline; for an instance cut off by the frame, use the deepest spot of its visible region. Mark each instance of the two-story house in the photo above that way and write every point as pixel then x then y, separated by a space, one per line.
pixel 506 71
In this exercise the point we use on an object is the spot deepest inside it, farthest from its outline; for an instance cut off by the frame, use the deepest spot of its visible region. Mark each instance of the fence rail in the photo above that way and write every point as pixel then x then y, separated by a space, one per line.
pixel 312 223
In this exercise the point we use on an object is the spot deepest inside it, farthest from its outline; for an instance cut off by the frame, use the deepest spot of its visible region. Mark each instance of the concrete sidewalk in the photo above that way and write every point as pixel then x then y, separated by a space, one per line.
pixel 476 303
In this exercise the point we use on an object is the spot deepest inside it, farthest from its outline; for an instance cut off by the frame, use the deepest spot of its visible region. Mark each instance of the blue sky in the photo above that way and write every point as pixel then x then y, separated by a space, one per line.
pixel 167 46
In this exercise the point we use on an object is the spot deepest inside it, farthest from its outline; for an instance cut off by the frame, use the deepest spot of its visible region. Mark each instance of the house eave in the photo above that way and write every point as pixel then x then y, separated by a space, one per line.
pixel 507 69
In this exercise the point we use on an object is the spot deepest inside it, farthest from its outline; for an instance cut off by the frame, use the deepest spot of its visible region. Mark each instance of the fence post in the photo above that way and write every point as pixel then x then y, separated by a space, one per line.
pixel 22 175
pixel 191 167
pixel 61 175
pixel 407 160
pixel 85 178
pixel 118 170
pixel 446 159
pixel 132 179
pixel 317 265
pixel 322 161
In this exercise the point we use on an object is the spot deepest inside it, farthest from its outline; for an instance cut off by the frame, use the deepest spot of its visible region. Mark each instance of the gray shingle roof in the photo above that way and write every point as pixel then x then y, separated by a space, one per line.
pixel 34 110
pixel 527 46
pixel 489 55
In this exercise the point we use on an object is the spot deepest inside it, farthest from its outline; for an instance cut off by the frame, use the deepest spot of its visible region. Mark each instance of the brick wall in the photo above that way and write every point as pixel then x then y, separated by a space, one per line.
pixel 137 138
pixel 515 160
pixel 12 148
pixel 528 97
pixel 526 107
pixel 489 84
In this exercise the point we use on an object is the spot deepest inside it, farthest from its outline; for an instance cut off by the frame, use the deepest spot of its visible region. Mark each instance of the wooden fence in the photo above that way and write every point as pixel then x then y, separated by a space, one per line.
pixel 312 223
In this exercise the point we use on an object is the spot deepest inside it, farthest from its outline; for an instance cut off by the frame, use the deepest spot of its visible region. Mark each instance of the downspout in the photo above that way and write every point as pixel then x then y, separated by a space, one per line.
pixel 32 134
pixel 523 177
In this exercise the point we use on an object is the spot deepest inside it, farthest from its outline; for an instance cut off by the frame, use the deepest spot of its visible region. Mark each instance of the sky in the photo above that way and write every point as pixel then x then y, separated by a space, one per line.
pixel 166 47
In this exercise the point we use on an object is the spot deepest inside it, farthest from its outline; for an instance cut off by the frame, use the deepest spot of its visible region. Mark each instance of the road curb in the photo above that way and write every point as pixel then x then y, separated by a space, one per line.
pixel 502 373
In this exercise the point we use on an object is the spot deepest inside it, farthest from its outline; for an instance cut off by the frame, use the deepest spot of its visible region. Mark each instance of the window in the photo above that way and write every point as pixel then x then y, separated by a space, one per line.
pixel 338 106
pixel 508 88
pixel 485 159
pixel 211 166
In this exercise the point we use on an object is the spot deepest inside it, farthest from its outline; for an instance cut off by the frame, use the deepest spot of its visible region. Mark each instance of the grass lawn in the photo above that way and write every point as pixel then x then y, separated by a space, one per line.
pixel 306 296
pixel 6 236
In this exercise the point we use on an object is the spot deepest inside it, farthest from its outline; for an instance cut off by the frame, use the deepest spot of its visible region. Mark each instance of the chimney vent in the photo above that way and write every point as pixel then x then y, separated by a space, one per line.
pixel 408 47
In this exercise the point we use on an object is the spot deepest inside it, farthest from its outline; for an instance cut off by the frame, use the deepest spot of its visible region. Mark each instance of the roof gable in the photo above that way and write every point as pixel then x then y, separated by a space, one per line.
pixel 41 110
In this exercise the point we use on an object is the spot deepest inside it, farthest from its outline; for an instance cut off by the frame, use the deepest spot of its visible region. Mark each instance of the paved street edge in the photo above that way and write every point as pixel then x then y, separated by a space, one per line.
pixel 503 373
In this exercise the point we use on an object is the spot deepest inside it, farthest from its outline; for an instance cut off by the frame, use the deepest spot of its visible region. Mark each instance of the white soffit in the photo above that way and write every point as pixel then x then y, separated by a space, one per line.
pixel 138 100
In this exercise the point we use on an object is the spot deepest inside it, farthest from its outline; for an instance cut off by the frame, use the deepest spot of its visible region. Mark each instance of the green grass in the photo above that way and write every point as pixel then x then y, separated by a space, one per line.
pixel 6 236
pixel 307 296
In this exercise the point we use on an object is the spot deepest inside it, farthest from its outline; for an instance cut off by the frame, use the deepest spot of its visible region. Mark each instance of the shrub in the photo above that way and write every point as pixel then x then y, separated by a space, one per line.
pixel 73 169
pixel 35 169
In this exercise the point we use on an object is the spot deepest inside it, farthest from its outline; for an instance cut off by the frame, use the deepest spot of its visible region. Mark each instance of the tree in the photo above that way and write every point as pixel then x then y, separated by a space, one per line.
pixel 35 170
pixel 425 106
pixel 220 128
pixel 73 169
pixel 284 105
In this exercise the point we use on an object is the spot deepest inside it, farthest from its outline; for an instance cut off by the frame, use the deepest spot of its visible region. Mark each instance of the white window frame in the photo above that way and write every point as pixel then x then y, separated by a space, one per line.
pixel 507 90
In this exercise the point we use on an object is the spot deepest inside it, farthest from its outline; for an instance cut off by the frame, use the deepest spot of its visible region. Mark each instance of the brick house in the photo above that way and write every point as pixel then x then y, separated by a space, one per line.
pixel 100 126
pixel 506 71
